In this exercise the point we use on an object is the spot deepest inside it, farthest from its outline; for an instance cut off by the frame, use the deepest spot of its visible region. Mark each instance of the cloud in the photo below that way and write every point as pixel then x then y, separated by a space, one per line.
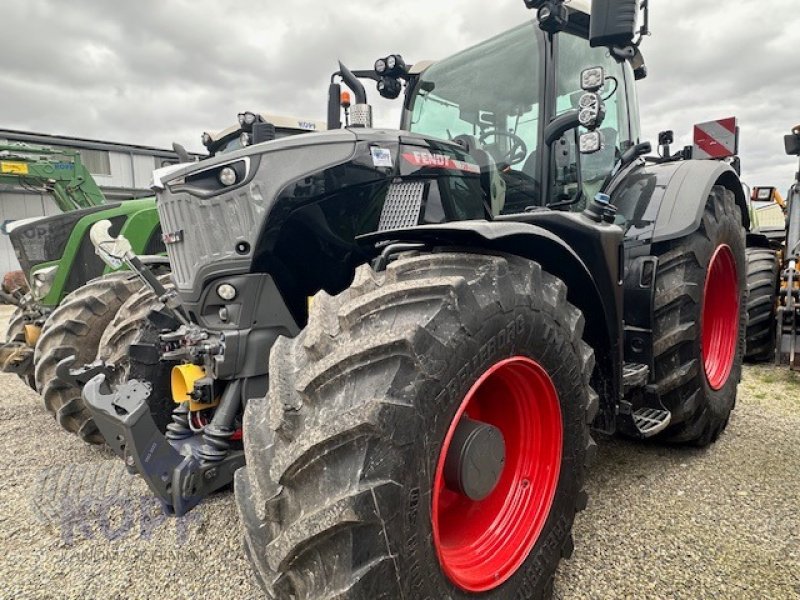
pixel 153 72
pixel 710 60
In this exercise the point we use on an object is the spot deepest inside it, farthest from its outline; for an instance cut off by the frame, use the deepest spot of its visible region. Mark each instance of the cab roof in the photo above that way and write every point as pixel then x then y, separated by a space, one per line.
pixel 279 122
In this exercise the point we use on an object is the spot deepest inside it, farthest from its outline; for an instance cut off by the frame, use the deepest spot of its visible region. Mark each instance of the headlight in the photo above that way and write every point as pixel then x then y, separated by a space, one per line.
pixel 592 110
pixel 380 66
pixel 591 142
pixel 244 139
pixel 206 139
pixel 227 176
pixel 42 281
pixel 226 291
pixel 249 118
pixel 592 79
pixel 389 88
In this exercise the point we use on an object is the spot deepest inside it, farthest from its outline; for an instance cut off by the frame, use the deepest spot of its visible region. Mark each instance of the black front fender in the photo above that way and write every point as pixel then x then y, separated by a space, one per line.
pixel 565 247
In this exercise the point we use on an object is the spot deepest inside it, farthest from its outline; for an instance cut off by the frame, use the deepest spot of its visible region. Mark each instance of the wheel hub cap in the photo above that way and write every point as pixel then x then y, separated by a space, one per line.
pixel 475 459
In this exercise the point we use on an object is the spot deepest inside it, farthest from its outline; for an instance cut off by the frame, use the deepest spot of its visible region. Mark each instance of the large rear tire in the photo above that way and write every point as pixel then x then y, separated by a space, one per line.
pixel 700 322
pixel 131 326
pixel 75 328
pixel 16 334
pixel 763 277
pixel 348 488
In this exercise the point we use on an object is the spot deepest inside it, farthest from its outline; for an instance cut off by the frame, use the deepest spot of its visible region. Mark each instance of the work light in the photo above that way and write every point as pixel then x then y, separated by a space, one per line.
pixel 227 176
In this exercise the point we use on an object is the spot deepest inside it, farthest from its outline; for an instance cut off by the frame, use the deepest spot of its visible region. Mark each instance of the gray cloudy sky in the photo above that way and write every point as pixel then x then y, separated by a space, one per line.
pixel 157 71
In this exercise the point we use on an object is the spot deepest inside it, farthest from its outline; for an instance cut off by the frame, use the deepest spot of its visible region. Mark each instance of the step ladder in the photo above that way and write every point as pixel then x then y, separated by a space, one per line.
pixel 646 421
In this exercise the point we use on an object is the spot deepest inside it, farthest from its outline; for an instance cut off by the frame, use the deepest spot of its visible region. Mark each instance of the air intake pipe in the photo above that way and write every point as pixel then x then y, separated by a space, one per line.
pixel 361 112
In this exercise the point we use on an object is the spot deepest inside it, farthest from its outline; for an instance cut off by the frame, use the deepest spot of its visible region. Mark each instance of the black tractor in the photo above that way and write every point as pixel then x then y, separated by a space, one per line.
pixel 409 336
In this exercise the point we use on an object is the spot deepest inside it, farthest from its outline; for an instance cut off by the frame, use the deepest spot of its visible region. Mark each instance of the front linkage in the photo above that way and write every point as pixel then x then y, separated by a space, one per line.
pixel 196 455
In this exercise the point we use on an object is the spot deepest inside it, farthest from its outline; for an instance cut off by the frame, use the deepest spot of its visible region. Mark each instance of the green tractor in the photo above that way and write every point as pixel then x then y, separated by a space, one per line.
pixel 73 295
pixel 505 275
pixel 54 252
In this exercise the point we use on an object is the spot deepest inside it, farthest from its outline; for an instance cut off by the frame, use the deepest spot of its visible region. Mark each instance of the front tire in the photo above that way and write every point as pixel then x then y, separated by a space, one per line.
pixel 75 329
pixel 344 493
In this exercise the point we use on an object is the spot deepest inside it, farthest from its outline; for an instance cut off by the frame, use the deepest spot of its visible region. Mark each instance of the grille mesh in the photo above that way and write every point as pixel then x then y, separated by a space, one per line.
pixel 210 228
pixel 403 205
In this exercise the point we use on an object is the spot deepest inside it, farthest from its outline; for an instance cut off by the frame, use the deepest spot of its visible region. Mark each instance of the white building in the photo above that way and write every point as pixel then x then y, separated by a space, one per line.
pixel 122 171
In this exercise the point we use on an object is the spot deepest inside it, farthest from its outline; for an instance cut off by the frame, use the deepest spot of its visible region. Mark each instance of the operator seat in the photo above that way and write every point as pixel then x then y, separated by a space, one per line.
pixel 490 175
pixel 529 168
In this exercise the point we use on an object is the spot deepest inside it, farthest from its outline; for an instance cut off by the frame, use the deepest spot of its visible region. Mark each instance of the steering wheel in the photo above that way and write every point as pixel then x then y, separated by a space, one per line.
pixel 515 155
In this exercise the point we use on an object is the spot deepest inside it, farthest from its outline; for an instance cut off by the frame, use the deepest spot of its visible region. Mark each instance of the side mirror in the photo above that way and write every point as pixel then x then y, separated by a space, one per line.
pixel 613 22
pixel 792 142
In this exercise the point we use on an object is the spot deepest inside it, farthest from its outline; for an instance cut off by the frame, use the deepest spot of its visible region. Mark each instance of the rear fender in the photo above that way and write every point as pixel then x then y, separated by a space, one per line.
pixel 602 313
pixel 666 201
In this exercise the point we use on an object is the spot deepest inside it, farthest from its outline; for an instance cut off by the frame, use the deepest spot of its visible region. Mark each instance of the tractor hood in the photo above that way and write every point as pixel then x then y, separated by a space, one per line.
pixel 293 207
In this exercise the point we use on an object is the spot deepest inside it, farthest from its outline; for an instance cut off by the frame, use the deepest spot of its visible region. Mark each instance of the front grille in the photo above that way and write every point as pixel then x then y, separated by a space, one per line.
pixel 403 205
pixel 209 229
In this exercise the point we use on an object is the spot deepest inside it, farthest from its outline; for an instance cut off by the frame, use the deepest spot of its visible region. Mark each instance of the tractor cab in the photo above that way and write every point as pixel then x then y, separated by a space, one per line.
pixel 499 96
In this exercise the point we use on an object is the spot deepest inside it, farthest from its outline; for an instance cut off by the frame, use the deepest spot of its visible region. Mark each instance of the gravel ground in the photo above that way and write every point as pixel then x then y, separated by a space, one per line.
pixel 662 522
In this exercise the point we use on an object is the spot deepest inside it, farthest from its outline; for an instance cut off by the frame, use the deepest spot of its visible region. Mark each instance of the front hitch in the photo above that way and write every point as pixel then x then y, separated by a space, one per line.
pixel 170 467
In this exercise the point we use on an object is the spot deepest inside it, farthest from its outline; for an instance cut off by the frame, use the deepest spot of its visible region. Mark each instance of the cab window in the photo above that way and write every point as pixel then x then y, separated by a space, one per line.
pixel 573 56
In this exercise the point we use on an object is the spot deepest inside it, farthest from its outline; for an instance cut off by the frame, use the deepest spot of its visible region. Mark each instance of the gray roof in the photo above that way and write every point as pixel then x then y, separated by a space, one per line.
pixel 13 135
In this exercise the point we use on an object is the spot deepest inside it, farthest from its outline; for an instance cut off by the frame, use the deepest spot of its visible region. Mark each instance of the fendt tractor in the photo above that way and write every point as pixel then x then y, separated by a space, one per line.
pixel 74 297
pixel 409 336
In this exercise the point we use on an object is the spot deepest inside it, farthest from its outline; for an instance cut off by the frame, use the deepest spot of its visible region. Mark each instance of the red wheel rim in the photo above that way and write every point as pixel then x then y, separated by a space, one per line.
pixel 481 544
pixel 720 319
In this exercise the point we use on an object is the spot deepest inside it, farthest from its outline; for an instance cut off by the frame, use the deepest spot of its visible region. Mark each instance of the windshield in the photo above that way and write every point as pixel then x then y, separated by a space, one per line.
pixel 492 92
pixel 492 86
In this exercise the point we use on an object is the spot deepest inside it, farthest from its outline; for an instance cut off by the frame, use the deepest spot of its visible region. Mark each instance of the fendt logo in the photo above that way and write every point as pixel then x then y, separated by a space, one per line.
pixel 439 161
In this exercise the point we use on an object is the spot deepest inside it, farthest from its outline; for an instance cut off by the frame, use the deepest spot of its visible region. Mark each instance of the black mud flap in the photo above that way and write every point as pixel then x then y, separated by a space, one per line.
pixel 170 468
